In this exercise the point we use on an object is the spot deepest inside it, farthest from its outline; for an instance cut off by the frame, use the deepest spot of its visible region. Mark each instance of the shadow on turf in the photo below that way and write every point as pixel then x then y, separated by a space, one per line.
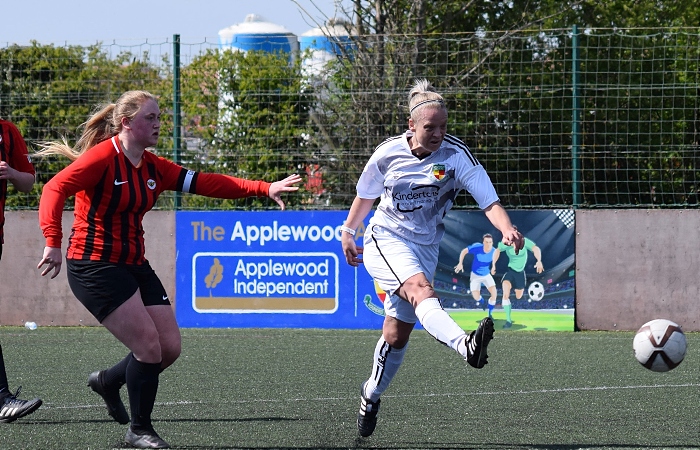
pixel 252 419
pixel 166 421
pixel 366 443
pixel 361 442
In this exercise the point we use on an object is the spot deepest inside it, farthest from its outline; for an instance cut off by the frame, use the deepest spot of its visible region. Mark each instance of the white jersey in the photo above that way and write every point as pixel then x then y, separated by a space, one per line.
pixel 417 193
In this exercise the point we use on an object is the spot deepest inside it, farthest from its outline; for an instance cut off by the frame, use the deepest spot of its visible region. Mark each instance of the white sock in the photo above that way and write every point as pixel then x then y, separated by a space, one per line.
pixel 440 325
pixel 387 361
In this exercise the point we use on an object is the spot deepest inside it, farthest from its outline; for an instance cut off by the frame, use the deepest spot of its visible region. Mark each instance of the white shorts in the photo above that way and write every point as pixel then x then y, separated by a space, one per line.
pixel 391 260
pixel 475 282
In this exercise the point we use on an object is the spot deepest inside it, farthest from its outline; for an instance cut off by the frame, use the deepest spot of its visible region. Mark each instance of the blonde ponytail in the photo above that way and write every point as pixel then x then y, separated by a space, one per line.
pixel 104 123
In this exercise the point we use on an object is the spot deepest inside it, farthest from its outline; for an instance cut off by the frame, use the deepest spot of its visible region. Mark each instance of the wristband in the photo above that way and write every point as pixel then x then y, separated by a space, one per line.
pixel 348 230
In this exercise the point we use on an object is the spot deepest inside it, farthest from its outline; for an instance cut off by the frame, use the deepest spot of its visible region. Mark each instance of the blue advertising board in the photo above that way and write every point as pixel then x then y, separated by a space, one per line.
pixel 270 269
pixel 286 269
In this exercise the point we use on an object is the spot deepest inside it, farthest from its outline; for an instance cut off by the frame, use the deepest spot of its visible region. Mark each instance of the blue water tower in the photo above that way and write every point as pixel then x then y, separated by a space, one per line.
pixel 326 43
pixel 255 33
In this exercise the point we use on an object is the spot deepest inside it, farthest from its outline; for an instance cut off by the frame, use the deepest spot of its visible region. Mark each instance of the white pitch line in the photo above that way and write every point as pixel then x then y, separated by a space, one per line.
pixel 459 394
pixel 557 390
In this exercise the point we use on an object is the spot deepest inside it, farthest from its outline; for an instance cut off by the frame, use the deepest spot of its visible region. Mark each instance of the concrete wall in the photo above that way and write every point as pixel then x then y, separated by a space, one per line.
pixel 631 266
pixel 27 296
pixel 636 265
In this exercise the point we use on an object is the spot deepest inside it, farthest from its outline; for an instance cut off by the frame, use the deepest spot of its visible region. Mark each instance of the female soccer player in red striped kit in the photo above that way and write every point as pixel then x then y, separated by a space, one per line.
pixel 15 169
pixel 116 180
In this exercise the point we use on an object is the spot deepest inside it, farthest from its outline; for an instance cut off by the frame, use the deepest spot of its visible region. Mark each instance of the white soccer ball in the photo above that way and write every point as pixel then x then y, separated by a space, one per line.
pixel 659 345
pixel 536 291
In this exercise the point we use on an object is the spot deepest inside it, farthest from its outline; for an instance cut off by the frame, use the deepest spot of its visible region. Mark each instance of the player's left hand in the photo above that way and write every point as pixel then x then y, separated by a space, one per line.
pixel 514 238
pixel 286 185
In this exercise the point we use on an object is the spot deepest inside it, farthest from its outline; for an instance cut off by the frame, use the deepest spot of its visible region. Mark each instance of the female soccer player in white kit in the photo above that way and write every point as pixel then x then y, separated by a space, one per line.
pixel 417 176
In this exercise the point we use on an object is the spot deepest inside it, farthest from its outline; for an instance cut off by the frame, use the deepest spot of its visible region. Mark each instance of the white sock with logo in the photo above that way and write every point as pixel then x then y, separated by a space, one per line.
pixel 440 325
pixel 387 360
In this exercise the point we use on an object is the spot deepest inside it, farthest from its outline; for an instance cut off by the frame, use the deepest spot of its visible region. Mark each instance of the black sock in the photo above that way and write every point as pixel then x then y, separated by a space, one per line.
pixel 116 375
pixel 142 384
pixel 4 388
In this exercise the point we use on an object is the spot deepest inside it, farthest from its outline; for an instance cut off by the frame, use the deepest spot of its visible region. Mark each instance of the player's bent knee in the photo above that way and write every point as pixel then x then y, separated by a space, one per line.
pixel 418 286
pixel 397 342
pixel 396 333
pixel 169 356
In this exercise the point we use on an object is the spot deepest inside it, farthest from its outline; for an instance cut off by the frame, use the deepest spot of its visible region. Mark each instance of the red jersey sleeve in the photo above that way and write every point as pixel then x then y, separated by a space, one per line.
pixel 81 174
pixel 225 186
pixel 215 185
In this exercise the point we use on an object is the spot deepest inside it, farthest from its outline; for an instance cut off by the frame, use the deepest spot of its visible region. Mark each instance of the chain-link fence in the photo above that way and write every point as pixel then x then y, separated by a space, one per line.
pixel 600 118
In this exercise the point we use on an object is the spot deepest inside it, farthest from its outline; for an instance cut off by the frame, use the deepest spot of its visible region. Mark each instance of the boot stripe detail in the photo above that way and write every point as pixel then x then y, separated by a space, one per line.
pixel 8 411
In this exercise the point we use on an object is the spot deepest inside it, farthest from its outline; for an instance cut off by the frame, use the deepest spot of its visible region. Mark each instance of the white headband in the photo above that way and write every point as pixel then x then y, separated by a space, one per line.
pixel 437 100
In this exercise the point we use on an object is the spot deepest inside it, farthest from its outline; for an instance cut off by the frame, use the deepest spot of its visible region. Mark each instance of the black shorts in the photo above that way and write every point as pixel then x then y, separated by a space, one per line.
pixel 102 287
pixel 517 279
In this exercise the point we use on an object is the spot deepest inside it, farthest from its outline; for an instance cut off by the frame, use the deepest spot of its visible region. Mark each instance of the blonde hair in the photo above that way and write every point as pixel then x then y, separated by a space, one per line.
pixel 104 123
pixel 422 95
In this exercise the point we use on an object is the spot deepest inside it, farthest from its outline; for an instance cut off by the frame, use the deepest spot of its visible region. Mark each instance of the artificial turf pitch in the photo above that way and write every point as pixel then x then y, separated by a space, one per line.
pixel 299 389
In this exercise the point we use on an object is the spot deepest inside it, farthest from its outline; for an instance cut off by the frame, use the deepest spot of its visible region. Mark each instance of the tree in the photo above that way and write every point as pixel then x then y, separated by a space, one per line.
pixel 49 91
pixel 506 69
pixel 245 114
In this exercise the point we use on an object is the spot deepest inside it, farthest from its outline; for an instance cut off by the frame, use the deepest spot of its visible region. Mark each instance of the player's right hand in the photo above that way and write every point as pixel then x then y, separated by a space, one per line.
pixel 53 260
pixel 351 251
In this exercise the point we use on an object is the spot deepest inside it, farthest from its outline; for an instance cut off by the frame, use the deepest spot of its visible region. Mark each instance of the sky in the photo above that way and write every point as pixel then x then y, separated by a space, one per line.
pixel 85 22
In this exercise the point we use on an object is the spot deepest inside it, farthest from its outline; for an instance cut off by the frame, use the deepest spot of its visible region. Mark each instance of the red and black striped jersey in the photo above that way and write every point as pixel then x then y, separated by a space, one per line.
pixel 112 196
pixel 13 150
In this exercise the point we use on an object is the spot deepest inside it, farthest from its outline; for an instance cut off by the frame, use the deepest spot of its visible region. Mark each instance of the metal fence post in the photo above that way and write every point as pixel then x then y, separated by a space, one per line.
pixel 177 129
pixel 575 131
